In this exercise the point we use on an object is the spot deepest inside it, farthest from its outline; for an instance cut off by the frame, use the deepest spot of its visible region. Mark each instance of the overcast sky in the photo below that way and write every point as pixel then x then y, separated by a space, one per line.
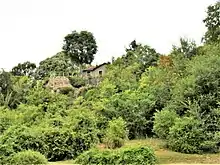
pixel 32 30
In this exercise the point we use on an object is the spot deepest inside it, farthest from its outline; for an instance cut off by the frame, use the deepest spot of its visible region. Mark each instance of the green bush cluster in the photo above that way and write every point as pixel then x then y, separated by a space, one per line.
pixel 28 157
pixel 163 121
pixel 133 155
pixel 192 125
pixel 77 82
pixel 116 134
pixel 57 139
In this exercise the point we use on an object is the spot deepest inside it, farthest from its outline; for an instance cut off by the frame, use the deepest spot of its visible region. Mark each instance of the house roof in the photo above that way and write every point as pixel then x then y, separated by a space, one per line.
pixel 92 68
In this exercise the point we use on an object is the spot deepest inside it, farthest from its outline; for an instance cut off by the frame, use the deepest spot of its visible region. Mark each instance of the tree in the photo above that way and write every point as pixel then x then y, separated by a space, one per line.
pixel 80 47
pixel 187 48
pixel 132 46
pixel 5 82
pixel 24 69
pixel 143 55
pixel 212 22
pixel 57 65
pixel 6 89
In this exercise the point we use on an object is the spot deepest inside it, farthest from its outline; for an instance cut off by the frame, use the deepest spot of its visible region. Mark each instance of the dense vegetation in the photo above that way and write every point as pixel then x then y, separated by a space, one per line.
pixel 143 94
pixel 133 155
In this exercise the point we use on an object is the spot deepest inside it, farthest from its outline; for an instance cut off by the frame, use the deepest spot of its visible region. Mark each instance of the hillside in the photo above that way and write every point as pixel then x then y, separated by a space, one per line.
pixel 52 112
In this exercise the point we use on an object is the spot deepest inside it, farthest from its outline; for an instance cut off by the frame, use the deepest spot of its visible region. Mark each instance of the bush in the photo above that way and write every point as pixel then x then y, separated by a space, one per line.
pixel 163 121
pixel 116 133
pixel 186 135
pixel 76 81
pixel 72 136
pixel 66 90
pixel 28 157
pixel 7 119
pixel 133 155
pixel 195 98
pixel 19 138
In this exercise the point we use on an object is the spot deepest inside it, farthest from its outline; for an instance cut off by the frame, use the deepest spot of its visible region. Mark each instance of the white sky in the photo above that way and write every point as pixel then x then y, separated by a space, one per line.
pixel 32 30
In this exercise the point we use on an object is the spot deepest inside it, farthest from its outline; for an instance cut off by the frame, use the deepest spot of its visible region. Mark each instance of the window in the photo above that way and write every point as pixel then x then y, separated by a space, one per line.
pixel 100 73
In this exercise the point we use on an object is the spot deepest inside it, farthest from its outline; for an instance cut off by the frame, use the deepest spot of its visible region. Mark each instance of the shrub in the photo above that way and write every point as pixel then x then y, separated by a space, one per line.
pixel 28 157
pixel 115 133
pixel 74 135
pixel 163 121
pixel 186 135
pixel 76 81
pixel 195 99
pixel 133 155
pixel 83 122
pixel 66 90
pixel 18 138
pixel 7 118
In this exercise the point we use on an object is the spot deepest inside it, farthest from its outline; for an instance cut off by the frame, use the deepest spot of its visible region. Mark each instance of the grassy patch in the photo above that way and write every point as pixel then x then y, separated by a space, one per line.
pixel 165 156
pixel 62 162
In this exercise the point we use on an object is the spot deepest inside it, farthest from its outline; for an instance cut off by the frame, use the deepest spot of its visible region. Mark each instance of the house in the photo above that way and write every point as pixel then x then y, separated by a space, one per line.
pixel 95 71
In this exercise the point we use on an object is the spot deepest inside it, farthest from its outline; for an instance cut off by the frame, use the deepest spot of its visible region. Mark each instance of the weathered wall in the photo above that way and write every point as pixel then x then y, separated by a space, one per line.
pixel 95 73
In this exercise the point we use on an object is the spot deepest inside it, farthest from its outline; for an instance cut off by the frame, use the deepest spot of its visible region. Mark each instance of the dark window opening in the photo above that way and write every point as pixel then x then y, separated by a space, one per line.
pixel 100 73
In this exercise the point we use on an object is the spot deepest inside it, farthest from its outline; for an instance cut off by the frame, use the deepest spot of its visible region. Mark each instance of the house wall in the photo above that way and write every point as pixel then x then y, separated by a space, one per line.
pixel 95 73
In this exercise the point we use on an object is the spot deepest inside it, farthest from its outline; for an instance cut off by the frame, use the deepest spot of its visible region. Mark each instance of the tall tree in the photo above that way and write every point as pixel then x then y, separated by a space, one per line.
pixel 212 22
pixel 24 69
pixel 80 47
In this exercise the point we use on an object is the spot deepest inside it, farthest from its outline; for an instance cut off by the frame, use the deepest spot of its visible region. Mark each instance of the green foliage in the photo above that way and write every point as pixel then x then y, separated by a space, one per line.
pixel 142 94
pixel 137 61
pixel 28 157
pixel 66 90
pixel 7 119
pixel 24 69
pixel 195 99
pixel 7 98
pixel 187 48
pixel 57 65
pixel 133 155
pixel 133 110
pixel 163 121
pixel 50 102
pixel 201 83
pixel 212 23
pixel 30 114
pixel 77 82
pixel 116 133
pixel 186 135
pixel 5 83
pixel 57 139
pixel 80 47
pixel 21 87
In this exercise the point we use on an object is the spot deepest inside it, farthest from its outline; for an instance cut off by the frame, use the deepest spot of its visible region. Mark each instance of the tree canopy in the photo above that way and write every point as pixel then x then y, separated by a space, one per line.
pixel 212 23
pixel 57 65
pixel 80 47
pixel 24 69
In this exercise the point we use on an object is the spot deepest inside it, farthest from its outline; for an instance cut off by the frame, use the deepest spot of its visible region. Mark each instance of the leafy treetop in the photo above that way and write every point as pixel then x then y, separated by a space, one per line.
pixel 80 47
